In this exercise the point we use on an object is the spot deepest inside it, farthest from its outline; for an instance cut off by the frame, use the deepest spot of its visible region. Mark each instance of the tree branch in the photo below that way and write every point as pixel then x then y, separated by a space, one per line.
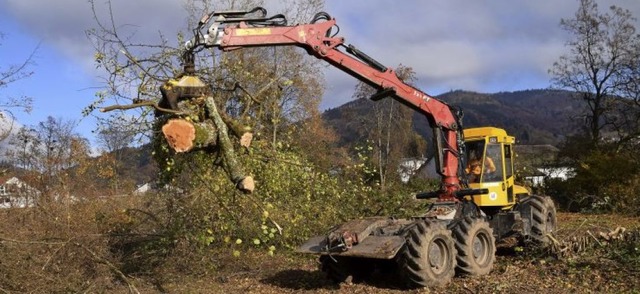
pixel 141 104
pixel 113 268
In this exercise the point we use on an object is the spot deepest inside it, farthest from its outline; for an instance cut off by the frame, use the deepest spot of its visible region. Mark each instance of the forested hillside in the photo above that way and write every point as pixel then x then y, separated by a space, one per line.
pixel 532 116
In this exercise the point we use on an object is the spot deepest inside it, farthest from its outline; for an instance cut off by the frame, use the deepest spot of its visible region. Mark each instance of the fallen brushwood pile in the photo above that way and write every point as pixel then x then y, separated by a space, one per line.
pixel 589 240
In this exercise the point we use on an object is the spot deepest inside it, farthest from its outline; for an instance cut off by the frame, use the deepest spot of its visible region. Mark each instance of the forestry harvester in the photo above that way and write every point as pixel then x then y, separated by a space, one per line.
pixel 477 205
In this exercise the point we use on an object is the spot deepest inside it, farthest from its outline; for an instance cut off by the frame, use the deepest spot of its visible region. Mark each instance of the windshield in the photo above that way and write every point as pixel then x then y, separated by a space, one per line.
pixel 481 168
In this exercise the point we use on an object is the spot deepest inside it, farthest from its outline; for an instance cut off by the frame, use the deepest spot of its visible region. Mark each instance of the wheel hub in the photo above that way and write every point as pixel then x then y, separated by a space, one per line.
pixel 480 248
pixel 438 256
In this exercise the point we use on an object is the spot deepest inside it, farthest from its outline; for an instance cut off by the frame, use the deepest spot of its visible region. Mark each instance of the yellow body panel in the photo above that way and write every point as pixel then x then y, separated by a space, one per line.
pixel 488 132
pixel 497 194
pixel 520 190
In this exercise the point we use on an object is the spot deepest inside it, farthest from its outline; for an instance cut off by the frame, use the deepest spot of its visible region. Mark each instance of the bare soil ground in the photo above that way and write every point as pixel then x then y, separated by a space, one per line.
pixel 594 270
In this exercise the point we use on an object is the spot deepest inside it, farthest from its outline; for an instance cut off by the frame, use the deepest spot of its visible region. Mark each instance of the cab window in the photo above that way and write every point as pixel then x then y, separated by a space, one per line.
pixel 474 155
pixel 492 171
pixel 508 160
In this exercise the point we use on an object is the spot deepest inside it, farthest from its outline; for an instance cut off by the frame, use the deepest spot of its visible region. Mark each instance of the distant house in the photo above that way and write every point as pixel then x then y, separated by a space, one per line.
pixel 143 189
pixel 538 179
pixel 408 168
pixel 14 193
pixel 154 188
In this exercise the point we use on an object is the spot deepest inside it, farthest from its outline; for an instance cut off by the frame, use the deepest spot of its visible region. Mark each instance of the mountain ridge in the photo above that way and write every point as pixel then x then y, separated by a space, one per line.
pixel 537 116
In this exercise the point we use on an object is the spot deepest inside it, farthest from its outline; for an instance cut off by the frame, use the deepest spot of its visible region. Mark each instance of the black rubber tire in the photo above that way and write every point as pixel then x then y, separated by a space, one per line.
pixel 428 257
pixel 345 269
pixel 543 220
pixel 337 268
pixel 475 245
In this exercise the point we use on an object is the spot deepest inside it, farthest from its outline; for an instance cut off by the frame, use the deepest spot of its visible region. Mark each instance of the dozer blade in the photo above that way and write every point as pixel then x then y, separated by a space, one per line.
pixel 378 247
pixel 356 238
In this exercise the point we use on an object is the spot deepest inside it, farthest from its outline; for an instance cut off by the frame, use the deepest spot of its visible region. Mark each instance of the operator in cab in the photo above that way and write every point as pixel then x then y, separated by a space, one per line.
pixel 474 166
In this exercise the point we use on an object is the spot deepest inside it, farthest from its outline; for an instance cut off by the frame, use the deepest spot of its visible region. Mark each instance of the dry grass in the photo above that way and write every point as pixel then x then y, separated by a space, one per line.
pixel 57 248
pixel 121 245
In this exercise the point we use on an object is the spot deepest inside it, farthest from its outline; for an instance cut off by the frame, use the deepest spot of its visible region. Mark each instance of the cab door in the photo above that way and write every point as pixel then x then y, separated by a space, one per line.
pixel 489 165
pixel 497 176
pixel 508 171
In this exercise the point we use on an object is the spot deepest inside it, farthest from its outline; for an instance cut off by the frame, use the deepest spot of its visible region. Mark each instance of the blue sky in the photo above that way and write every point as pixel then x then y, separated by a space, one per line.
pixel 60 86
pixel 484 46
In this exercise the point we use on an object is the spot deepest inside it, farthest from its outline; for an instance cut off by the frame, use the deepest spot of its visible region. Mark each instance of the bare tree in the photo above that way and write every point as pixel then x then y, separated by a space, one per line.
pixel 20 146
pixel 281 85
pixel 130 75
pixel 11 73
pixel 114 136
pixel 46 149
pixel 264 91
pixel 601 49
pixel 261 87
pixel 389 127
pixel 626 122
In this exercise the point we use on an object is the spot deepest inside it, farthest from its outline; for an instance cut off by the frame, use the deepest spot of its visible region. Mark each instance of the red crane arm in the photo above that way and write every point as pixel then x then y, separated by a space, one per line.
pixel 316 39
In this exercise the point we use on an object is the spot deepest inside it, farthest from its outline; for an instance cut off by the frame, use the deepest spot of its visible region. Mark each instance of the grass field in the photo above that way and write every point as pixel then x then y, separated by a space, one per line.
pixel 82 262
pixel 596 269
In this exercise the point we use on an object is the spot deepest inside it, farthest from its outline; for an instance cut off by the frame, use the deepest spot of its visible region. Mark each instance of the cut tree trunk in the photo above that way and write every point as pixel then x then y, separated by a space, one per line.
pixel 231 164
pixel 183 135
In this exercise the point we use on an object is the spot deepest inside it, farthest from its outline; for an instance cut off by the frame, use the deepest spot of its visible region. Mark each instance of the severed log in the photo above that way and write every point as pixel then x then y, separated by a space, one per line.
pixel 239 130
pixel 183 135
pixel 230 161
pixel 245 139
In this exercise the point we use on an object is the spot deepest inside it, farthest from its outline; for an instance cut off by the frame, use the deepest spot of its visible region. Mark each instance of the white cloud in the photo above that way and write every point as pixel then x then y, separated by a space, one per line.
pixel 455 44
pixel 63 23
pixel 8 129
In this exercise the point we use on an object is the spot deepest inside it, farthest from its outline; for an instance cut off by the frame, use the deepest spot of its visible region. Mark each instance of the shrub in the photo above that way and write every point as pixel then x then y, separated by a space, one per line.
pixel 294 199
pixel 603 182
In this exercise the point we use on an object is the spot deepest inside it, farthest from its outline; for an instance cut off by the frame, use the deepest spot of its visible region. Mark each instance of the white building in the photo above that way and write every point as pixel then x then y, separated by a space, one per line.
pixel 562 173
pixel 15 193
pixel 408 167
